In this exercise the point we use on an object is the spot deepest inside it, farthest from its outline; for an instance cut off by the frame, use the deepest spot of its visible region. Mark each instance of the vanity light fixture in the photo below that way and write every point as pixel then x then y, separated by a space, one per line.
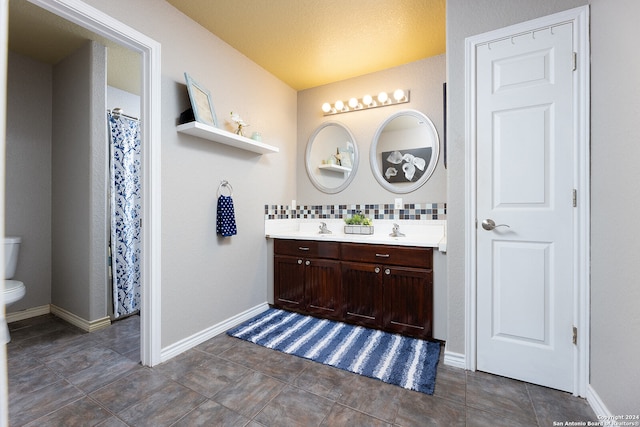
pixel 399 95
pixel 355 104
pixel 383 99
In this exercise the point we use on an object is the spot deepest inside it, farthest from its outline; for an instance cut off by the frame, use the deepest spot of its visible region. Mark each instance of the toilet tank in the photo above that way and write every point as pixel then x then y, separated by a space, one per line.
pixel 11 247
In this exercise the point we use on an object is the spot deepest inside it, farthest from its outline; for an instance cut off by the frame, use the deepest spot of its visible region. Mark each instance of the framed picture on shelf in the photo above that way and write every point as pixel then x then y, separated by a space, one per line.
pixel 201 104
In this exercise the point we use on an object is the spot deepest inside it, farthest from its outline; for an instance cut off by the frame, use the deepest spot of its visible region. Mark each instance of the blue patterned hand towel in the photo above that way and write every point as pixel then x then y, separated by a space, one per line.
pixel 226 221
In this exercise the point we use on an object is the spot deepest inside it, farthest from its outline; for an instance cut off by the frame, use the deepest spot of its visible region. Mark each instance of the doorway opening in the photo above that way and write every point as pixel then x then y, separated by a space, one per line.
pixel 149 51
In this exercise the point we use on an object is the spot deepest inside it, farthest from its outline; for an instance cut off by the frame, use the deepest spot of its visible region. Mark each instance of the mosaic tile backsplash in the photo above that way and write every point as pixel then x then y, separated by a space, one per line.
pixel 412 211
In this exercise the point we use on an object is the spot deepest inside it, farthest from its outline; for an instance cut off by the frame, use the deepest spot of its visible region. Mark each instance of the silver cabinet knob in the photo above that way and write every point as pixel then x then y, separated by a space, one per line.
pixel 489 224
pixel 387 271
pixel 307 262
pixel 299 261
pixel 377 270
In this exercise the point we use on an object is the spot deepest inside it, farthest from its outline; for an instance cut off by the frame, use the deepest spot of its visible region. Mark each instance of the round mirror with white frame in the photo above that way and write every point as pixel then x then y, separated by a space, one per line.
pixel 404 151
pixel 331 158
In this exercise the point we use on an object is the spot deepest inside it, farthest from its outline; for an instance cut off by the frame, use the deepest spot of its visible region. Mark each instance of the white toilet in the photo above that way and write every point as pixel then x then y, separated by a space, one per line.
pixel 13 289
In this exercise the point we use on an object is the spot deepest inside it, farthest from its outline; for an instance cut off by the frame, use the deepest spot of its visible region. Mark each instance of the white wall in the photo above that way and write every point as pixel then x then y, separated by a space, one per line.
pixel 128 102
pixel 28 175
pixel 207 279
pixel 98 179
pixel 79 220
pixel 615 203
pixel 424 79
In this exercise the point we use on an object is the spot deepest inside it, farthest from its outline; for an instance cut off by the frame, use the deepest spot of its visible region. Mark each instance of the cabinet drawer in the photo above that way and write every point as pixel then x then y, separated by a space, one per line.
pixel 407 256
pixel 307 248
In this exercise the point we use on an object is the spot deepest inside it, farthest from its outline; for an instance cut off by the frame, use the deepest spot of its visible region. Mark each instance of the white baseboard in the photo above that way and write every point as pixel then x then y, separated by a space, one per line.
pixel 85 325
pixel 28 313
pixel 457 360
pixel 198 338
pixel 597 404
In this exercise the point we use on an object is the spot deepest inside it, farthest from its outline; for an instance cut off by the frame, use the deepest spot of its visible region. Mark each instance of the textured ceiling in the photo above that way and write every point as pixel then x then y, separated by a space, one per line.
pixel 305 43
pixel 308 43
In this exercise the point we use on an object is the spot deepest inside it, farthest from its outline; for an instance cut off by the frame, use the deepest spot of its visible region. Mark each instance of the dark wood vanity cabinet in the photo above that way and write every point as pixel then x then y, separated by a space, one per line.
pixel 378 286
pixel 307 277
pixel 395 281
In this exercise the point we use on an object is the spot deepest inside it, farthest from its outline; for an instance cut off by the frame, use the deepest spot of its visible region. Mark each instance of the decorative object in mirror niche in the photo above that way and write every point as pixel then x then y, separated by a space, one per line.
pixel 331 158
pixel 405 165
pixel 404 152
pixel 235 118
pixel 383 99
pixel 201 104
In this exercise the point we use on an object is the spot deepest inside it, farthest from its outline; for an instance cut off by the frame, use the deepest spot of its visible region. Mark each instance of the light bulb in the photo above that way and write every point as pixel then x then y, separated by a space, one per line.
pixel 383 97
pixel 367 100
pixel 353 103
pixel 398 95
pixel 326 107
pixel 339 105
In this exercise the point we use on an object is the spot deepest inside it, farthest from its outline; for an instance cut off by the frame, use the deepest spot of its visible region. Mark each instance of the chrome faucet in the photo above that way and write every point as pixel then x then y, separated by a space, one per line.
pixel 395 232
pixel 324 229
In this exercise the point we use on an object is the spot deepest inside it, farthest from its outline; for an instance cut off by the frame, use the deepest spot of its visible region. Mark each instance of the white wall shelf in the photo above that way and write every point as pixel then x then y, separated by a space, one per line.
pixel 225 137
pixel 335 168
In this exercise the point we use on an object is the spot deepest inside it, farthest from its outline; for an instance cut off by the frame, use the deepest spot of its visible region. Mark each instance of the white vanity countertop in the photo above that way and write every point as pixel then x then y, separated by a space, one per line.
pixel 422 233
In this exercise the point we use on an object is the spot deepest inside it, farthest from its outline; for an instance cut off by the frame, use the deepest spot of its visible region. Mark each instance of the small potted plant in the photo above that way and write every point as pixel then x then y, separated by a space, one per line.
pixel 358 224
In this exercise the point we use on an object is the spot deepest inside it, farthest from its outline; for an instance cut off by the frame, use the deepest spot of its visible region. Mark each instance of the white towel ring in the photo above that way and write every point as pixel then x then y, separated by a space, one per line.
pixel 225 184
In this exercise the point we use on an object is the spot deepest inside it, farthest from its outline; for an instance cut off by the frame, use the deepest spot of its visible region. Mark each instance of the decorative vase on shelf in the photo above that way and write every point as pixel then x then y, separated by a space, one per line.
pixel 239 122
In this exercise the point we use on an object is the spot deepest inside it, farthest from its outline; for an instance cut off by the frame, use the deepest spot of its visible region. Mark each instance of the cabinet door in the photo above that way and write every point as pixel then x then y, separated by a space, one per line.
pixel 288 282
pixel 362 293
pixel 322 287
pixel 408 301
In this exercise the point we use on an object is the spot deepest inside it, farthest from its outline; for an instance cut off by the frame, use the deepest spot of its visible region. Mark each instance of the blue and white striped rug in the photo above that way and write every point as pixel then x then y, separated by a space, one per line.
pixel 408 362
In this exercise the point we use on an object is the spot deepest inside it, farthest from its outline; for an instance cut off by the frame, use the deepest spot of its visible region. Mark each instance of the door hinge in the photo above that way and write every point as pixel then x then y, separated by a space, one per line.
pixel 575 335
pixel 575 198
pixel 575 61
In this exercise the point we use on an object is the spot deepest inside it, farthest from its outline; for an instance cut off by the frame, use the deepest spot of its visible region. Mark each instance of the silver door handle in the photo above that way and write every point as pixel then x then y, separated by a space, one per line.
pixel 489 224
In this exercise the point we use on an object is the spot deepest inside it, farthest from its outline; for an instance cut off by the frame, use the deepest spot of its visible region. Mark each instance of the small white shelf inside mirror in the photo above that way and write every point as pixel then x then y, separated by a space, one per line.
pixel 335 168
pixel 225 137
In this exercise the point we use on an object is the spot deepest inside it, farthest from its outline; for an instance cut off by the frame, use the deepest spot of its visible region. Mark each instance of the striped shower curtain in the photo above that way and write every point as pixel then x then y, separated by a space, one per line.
pixel 124 200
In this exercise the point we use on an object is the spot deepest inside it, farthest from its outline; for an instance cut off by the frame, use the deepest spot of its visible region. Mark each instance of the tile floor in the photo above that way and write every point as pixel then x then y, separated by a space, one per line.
pixel 61 376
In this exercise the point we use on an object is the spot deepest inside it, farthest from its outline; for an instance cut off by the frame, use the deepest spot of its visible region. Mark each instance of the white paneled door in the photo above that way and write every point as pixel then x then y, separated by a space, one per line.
pixel 525 169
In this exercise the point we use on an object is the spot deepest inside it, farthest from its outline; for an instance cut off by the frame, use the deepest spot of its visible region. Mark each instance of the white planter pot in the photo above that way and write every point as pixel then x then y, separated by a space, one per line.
pixel 358 229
